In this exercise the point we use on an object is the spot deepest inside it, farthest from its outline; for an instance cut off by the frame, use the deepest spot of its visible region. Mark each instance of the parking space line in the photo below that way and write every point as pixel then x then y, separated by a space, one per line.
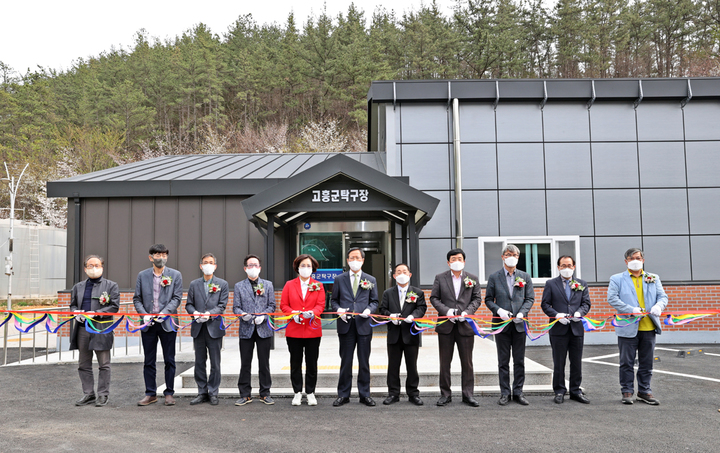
pixel 692 376
pixel 710 353
pixel 602 357
pixel 666 349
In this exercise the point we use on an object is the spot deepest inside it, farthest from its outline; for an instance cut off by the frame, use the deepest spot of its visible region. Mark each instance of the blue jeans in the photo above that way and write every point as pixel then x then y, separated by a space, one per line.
pixel 643 344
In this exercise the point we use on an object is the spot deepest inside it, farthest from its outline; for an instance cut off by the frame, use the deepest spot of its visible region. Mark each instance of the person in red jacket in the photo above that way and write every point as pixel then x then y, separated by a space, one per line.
pixel 304 297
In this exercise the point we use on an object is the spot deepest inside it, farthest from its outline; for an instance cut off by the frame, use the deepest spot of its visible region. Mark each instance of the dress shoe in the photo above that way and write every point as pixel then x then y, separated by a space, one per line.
pixel 340 401
pixel 521 399
pixel 444 400
pixel 214 401
pixel 504 400
pixel 297 399
pixel 244 400
pixel 267 400
pixel 368 401
pixel 559 398
pixel 580 398
pixel 147 400
pixel 85 400
pixel 311 400
pixel 391 399
pixel 102 400
pixel 470 401
pixel 647 398
pixel 416 400
pixel 627 398
pixel 201 398
pixel 169 400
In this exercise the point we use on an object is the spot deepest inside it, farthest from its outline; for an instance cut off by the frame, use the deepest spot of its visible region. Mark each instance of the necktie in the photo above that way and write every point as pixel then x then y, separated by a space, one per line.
pixel 355 284
pixel 567 288
pixel 402 299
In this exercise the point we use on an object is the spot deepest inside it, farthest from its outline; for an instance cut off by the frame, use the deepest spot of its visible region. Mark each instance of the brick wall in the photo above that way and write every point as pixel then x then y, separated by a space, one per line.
pixel 681 298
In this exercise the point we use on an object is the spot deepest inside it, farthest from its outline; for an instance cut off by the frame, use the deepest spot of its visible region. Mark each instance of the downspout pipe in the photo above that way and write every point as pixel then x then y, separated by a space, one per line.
pixel 458 175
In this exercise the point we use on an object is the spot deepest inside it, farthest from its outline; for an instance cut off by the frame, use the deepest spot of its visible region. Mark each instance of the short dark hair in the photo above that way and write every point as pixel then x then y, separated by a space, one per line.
pixel 566 256
pixel 158 248
pixel 303 257
pixel 454 252
pixel 362 253
pixel 401 264
pixel 249 257
pixel 89 257
pixel 630 252
pixel 208 255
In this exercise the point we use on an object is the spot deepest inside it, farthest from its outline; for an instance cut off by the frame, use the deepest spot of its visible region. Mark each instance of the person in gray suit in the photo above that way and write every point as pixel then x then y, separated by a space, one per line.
pixel 510 294
pixel 455 293
pixel 158 294
pixel 99 295
pixel 254 298
pixel 207 296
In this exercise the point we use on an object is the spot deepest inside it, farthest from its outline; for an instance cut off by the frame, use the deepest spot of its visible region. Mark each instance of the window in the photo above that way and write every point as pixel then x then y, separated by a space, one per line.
pixel 538 255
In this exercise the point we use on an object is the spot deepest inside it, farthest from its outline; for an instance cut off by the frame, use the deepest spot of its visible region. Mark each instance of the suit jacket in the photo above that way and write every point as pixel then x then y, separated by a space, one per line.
pixel 200 300
pixel 292 299
pixel 623 298
pixel 246 301
pixel 497 296
pixel 443 299
pixel 98 342
pixel 391 304
pixel 555 301
pixel 342 297
pixel 170 295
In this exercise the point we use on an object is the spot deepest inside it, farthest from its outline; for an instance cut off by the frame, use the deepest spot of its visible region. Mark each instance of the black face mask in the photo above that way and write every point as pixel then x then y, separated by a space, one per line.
pixel 159 262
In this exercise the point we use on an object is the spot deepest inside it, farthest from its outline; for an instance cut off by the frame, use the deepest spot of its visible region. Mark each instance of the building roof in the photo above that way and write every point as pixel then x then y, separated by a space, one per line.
pixel 503 90
pixel 200 174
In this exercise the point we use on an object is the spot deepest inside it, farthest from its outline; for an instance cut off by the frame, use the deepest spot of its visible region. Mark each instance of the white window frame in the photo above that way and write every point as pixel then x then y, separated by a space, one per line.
pixel 554 252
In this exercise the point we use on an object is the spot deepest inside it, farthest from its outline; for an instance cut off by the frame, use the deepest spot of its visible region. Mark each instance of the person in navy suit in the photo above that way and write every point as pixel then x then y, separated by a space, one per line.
pixel 207 297
pixel 567 300
pixel 158 293
pixel 354 292
pixel 254 298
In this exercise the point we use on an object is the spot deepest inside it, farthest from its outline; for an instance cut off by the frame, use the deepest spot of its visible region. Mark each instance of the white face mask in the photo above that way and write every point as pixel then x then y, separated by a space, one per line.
pixel 635 265
pixel 511 261
pixel 567 273
pixel 457 266
pixel 208 269
pixel 305 272
pixel 402 278
pixel 355 266
pixel 253 272
pixel 94 272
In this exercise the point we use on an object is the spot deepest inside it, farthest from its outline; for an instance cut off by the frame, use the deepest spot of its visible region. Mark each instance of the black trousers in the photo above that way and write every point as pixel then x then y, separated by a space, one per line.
pixel 348 342
pixel 205 346
pixel 263 354
pixel 395 355
pixel 564 346
pixel 311 347
pixel 446 347
pixel 507 340
pixel 167 342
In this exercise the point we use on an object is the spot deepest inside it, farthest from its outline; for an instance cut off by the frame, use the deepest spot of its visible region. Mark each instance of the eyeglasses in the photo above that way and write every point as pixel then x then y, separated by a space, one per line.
pixel 160 255
pixel 93 266
pixel 566 266
pixel 353 258
pixel 251 265
pixel 508 255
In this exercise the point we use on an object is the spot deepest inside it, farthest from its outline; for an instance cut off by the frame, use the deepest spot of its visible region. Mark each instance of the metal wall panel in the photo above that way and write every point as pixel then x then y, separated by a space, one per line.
pixel 428 166
pixel 470 247
pixel 142 236
pixel 662 164
pixel 425 123
pixel 237 237
pixel 701 120
pixel 433 259
pixel 664 211
pixel 189 237
pixel 480 213
pixel 477 122
pixel 587 260
pixel 440 226
pixel 566 122
pixel 522 213
pixel 94 214
pixel 617 212
pixel 118 265
pixel 479 166
pixel 668 256
pixel 570 212
pixel 660 121
pixel 615 165
pixel 520 166
pixel 567 165
pixel 704 257
pixel 509 116
pixel 612 122
pixel 701 168
pixel 167 222
pixel 213 233
pixel 704 209
pixel 610 255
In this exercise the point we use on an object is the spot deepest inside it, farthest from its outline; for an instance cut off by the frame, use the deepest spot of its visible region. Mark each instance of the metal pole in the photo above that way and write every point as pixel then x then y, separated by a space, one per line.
pixel 458 176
